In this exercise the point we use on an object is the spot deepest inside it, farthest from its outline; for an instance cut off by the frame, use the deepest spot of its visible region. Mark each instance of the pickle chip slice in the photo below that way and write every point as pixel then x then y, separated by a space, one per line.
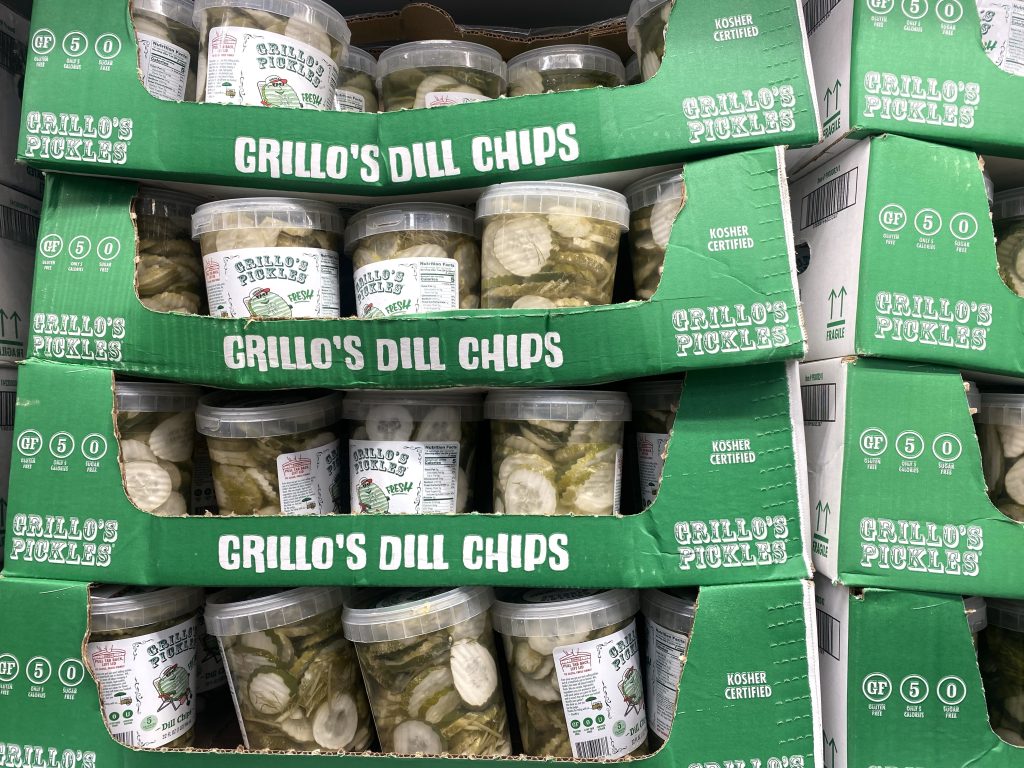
pixel 521 244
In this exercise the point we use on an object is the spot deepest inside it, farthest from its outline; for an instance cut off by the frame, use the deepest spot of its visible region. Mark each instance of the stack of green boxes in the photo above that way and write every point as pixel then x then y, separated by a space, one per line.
pixel 89 510
pixel 910 513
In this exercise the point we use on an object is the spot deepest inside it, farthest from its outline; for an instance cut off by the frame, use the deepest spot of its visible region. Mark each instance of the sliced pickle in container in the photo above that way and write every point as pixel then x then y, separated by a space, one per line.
pixel 646 22
pixel 564 68
pixel 1001 658
pixel 270 257
pixel 146 693
pixel 169 268
pixel 294 677
pixel 414 257
pixel 412 452
pixel 556 452
pixel 156 429
pixel 654 413
pixel 234 35
pixel 654 203
pixel 549 244
pixel 168 48
pixel 668 624
pixel 546 632
pixel 436 73
pixel 1000 425
pixel 1008 222
pixel 274 453
pixel 357 83
pixel 431 670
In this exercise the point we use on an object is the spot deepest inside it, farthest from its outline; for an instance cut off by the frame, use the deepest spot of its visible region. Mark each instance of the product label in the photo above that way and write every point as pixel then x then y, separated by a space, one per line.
pixel 446 98
pixel 603 694
pixel 210 665
pixel 1002 33
pixel 272 282
pixel 164 67
pixel 405 286
pixel 393 477
pixel 148 684
pixel 663 666
pixel 650 456
pixel 349 101
pixel 250 66
pixel 308 480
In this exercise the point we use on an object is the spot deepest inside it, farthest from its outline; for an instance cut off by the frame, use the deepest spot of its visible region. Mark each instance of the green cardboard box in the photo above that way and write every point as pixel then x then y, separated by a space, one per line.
pixel 86 112
pixel 724 299
pixel 900 683
pixel 48 700
pixel 8 388
pixel 731 509
pixel 897 493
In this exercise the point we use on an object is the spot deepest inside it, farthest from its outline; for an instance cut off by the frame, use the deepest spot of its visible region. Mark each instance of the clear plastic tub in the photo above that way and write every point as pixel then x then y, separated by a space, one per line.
pixel 668 622
pixel 1008 221
pixel 431 670
pixel 435 73
pixel 216 724
pixel 156 429
pixel 1000 424
pixel 414 257
pixel 168 48
pixel 633 75
pixel 357 83
pixel 654 413
pixel 169 270
pixel 270 257
pixel 564 68
pixel 143 640
pixel 545 631
pixel 412 452
pixel 274 453
pixel 556 452
pixel 654 203
pixel 270 53
pixel 1001 657
pixel 646 22
pixel 294 677
pixel 549 244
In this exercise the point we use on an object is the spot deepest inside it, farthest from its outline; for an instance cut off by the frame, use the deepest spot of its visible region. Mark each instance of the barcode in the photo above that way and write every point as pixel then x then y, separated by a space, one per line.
pixel 819 401
pixel 19 226
pixel 828 634
pixel 12 54
pixel 815 12
pixel 829 199
pixel 7 410
pixel 592 748
pixel 125 737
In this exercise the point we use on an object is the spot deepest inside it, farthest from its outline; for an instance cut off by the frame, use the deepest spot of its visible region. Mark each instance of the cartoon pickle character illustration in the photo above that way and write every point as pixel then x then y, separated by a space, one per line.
pixel 263 303
pixel 275 92
pixel 371 311
pixel 632 689
pixel 372 498
pixel 172 686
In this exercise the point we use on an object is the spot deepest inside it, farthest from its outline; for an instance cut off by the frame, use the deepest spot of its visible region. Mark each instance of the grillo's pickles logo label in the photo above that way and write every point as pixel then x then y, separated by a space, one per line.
pixel 290 58
pixel 167 647
pixel 922 100
pixel 272 266
pixel 373 282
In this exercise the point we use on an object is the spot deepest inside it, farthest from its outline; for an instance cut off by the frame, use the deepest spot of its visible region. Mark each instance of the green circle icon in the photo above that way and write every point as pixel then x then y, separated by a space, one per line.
pixel 619 728
pixel 149 722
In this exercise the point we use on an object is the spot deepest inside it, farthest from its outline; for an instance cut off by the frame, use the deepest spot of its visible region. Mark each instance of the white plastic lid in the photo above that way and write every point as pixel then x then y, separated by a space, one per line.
pixel 252 414
pixel 152 397
pixel 165 203
pixel 441 53
pixel 242 610
pixel 633 75
pixel 360 60
pixel 177 10
pixel 265 213
pixel 1008 614
pixel 543 196
pixel 638 11
pixel 1008 204
pixel 316 13
pixel 556 405
pixel 406 217
pixel 380 615
pixel 357 405
pixel 554 612
pixel 656 395
pixel 590 58
pixel 977 614
pixel 113 607
pixel 670 608
pixel 648 191
pixel 1005 409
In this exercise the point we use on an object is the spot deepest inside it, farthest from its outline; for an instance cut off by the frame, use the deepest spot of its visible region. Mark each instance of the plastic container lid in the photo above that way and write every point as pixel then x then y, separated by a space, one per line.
pixel 405 217
pixel 358 59
pixel 440 53
pixel 638 11
pixel 241 610
pixel 670 608
pixel 1008 614
pixel 419 403
pixel 1008 204
pixel 633 75
pixel 543 196
pixel 379 615
pixel 1005 409
pixel 251 414
pixel 553 612
pixel 572 57
pixel 316 13
pixel 556 405
pixel 265 213
pixel 113 607
pixel 977 615
pixel 656 395
pixel 151 397
pixel 180 11
pixel 648 191
pixel 165 203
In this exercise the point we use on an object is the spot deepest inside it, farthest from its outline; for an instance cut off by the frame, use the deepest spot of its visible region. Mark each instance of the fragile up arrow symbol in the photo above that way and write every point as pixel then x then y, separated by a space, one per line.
pixel 15 317
pixel 3 317
pixel 841 296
